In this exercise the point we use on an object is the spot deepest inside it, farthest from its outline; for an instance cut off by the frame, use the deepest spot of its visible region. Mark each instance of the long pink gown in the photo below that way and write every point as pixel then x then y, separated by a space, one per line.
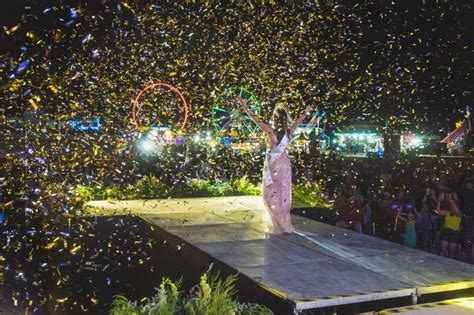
pixel 277 186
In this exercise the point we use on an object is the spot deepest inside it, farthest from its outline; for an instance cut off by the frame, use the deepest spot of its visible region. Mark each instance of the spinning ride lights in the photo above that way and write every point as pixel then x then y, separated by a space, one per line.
pixel 228 116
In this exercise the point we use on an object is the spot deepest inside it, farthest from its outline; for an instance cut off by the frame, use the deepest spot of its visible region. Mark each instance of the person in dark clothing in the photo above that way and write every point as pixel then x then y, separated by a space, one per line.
pixel 425 227
pixel 351 215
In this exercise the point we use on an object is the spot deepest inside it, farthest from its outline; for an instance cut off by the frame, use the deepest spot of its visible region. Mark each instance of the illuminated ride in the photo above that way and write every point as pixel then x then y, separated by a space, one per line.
pixel 307 128
pixel 155 137
pixel 234 128
pixel 136 106
pixel 303 133
pixel 228 114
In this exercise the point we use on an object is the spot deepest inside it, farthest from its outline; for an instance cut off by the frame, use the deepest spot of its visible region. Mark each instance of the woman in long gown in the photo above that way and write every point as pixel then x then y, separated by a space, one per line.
pixel 277 167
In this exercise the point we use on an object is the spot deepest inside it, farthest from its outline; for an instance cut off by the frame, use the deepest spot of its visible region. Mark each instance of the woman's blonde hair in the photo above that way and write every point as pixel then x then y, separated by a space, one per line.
pixel 279 107
pixel 280 120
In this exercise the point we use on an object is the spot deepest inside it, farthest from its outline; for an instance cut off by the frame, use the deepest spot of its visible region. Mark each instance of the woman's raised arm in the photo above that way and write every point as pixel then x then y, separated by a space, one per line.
pixel 298 121
pixel 439 211
pixel 454 208
pixel 266 128
pixel 402 217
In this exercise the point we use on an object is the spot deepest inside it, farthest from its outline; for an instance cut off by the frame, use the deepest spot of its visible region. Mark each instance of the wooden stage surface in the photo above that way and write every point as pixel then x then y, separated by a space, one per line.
pixel 317 266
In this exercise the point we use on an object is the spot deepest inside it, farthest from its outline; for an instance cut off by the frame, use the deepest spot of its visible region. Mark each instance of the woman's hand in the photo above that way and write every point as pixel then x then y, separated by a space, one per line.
pixel 243 101
pixel 308 110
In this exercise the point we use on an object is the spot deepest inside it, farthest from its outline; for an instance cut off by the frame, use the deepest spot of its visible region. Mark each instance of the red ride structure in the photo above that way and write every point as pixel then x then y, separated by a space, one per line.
pixel 135 109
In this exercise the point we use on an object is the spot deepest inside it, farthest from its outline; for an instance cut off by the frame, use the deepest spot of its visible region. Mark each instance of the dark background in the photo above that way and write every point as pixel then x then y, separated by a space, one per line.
pixel 405 64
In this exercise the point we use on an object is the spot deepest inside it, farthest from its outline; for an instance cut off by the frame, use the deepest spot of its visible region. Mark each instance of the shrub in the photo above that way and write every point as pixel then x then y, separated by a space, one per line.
pixel 147 187
pixel 151 187
pixel 253 309
pixel 112 192
pixel 84 193
pixel 122 306
pixel 243 186
pixel 167 301
pixel 221 188
pixel 204 188
pixel 211 296
pixel 311 194
pixel 198 187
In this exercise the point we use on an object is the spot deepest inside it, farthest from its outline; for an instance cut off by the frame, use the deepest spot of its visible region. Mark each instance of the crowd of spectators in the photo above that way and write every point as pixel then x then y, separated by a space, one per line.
pixel 430 207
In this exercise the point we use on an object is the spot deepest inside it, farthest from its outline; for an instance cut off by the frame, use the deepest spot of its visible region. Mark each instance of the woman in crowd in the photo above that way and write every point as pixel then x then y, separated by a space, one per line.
pixel 451 226
pixel 410 220
pixel 425 227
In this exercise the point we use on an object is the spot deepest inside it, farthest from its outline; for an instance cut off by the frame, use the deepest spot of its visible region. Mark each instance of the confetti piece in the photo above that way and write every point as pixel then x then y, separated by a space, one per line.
pixel 33 104
pixel 13 29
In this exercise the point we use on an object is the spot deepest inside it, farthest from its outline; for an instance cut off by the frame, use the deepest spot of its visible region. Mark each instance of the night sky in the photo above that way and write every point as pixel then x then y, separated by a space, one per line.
pixel 405 64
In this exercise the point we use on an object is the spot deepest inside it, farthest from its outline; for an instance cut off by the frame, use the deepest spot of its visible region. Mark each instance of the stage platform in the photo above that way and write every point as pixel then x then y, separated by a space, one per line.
pixel 317 266
pixel 463 306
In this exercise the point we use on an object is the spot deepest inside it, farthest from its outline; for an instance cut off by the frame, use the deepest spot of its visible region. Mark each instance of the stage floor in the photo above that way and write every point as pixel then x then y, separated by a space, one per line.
pixel 317 266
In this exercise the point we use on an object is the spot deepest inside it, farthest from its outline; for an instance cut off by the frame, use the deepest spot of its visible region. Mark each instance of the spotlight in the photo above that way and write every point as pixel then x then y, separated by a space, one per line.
pixel 147 145
pixel 415 142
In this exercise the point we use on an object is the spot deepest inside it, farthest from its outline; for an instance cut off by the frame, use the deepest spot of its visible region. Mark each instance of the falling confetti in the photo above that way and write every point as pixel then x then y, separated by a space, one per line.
pixel 405 66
